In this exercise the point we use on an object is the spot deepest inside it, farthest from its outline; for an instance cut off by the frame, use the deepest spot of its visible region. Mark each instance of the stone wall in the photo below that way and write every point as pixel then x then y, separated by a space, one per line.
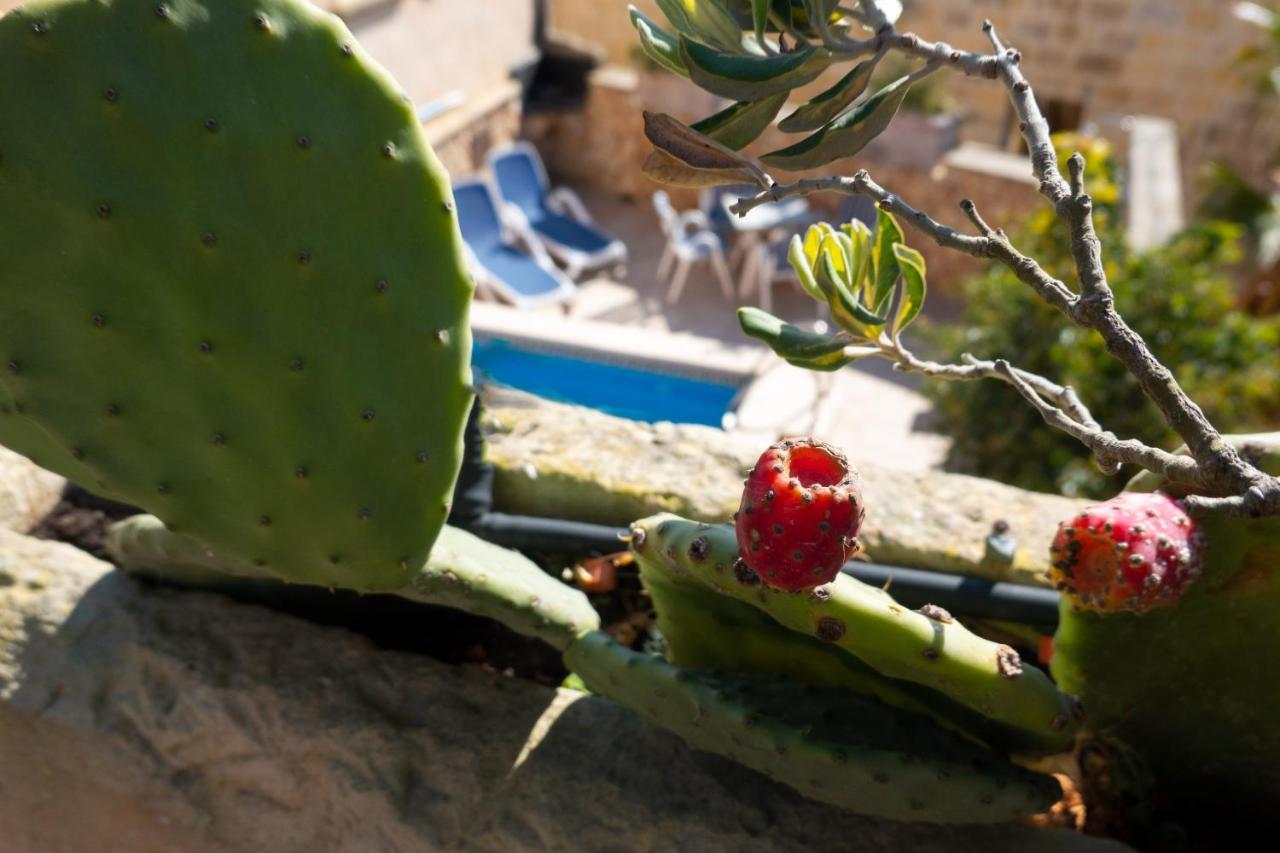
pixel 1111 57
pixel 628 470
pixel 143 719
pixel 603 146
pixel 463 136
pixel 433 47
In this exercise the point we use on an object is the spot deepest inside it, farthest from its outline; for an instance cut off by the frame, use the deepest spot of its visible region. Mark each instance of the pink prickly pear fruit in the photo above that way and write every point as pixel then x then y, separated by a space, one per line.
pixel 1134 552
pixel 800 514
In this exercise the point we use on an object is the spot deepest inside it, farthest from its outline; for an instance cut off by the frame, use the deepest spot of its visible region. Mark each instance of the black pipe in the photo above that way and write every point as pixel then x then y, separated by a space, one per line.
pixel 963 596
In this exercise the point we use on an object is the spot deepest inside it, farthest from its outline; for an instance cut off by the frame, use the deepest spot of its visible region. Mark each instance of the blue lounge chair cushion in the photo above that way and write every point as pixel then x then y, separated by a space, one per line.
pixel 520 181
pixel 520 272
pixel 569 232
pixel 477 217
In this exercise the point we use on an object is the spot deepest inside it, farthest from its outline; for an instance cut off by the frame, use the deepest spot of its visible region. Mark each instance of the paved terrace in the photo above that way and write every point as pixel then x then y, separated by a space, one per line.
pixel 865 408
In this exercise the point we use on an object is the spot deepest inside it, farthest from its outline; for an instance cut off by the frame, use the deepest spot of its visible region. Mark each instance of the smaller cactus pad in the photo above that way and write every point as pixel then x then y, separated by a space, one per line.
pixel 926 648
pixel 463 572
pixel 831 745
pixel 232 288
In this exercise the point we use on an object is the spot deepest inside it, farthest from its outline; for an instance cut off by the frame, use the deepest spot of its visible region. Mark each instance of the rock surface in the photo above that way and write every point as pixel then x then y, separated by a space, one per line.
pixel 136 718
pixel 557 460
pixel 27 492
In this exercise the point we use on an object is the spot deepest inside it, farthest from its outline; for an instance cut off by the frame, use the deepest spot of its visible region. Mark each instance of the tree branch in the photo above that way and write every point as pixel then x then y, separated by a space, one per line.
pixel 1108 449
pixel 993 244
pixel 1216 465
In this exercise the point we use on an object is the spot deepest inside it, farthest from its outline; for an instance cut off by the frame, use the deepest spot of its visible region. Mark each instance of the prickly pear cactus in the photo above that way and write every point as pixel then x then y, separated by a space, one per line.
pixel 231 281
pixel 1191 688
pixel 832 745
pixel 463 571
pixel 913 654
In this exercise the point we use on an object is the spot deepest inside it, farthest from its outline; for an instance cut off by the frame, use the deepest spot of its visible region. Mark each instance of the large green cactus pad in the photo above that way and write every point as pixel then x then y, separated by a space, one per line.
pixel 231 281
pixel 831 745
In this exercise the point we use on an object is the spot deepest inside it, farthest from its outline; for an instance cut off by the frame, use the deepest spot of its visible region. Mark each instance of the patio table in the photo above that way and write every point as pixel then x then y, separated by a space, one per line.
pixel 764 224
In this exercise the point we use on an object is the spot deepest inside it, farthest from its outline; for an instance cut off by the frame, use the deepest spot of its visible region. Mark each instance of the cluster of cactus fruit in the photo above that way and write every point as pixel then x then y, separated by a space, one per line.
pixel 232 292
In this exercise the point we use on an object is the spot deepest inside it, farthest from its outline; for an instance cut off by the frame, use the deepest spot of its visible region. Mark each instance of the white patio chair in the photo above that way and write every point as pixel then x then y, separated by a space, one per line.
pixel 686 247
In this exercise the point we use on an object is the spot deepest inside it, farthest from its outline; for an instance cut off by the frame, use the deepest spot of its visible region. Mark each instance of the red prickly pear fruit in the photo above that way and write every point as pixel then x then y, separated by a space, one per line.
pixel 1134 552
pixel 800 514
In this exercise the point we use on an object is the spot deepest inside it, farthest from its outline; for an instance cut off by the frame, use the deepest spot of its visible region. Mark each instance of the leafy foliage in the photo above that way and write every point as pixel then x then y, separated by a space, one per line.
pixel 1176 296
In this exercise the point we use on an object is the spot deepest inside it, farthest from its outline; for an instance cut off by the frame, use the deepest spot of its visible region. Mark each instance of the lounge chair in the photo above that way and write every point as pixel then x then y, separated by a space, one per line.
pixel 685 247
pixel 557 216
pixel 524 279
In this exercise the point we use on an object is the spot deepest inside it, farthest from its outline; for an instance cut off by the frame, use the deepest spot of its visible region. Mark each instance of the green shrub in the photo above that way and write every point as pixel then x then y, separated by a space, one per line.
pixel 1177 297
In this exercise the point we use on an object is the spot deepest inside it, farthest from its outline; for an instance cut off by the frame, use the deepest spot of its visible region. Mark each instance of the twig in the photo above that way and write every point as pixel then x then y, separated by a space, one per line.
pixel 993 245
pixel 1105 445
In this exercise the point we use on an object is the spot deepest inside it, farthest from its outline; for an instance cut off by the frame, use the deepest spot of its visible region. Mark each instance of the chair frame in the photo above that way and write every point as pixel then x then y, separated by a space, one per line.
pixel 682 246
pixel 566 202
pixel 516 232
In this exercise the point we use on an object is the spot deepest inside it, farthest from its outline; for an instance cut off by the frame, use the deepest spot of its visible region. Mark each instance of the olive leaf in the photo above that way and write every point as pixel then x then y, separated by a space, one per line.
pixel 884 263
pixel 696 151
pixel 813 238
pixel 803 267
pixel 827 105
pixel 801 348
pixel 749 77
pixel 705 20
pixel 738 124
pixel 846 309
pixel 911 263
pixel 662 168
pixel 860 240
pixel 843 137
pixel 658 44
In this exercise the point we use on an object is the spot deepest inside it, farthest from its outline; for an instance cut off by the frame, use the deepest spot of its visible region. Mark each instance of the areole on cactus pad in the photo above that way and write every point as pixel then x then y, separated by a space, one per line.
pixel 232 280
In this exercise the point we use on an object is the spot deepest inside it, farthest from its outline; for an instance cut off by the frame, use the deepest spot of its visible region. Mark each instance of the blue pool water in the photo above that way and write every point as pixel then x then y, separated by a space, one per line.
pixel 625 391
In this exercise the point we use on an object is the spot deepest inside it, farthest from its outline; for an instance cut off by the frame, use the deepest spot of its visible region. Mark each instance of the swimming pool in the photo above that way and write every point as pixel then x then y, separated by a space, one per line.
pixel 626 390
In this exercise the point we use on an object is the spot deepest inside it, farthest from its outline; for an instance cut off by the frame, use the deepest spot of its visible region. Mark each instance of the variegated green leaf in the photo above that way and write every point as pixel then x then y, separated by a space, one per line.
pixel 833 246
pixel 804 268
pixel 860 237
pixel 745 77
pixel 826 106
pixel 801 348
pixel 845 136
pixel 813 240
pixel 658 44
pixel 884 264
pixel 911 263
pixel 704 20
pixel 739 124
pixel 848 312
